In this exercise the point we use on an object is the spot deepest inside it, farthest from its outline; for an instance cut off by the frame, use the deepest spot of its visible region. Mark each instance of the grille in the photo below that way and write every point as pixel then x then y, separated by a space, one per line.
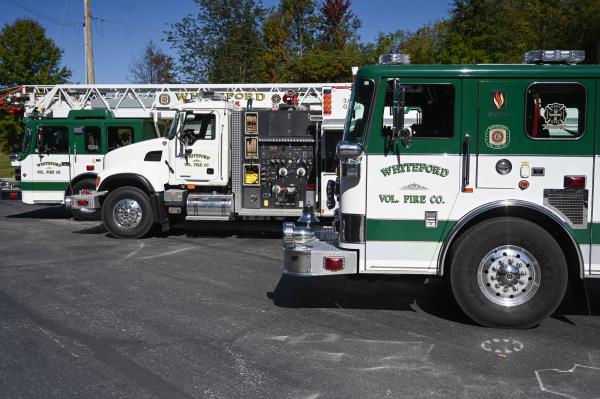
pixel 572 204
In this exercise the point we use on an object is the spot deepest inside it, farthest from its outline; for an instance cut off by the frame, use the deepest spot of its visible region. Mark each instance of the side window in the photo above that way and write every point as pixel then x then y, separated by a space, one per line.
pixel 428 109
pixel 198 127
pixel 92 136
pixel 119 136
pixel 555 110
pixel 53 139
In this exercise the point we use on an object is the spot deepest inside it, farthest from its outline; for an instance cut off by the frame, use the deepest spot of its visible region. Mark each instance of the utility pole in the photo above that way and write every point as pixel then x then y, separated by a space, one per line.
pixel 89 51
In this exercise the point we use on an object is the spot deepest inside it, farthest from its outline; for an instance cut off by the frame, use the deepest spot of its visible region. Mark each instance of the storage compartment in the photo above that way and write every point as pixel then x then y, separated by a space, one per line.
pixel 251 123
pixel 251 148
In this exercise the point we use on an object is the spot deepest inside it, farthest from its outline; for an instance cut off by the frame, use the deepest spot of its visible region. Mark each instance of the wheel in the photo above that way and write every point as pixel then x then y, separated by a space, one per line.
pixel 85 214
pixel 507 272
pixel 127 213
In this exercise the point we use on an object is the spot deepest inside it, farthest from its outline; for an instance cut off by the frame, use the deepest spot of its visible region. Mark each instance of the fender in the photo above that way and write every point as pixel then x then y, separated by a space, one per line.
pixel 507 204
pixel 123 178
pixel 152 176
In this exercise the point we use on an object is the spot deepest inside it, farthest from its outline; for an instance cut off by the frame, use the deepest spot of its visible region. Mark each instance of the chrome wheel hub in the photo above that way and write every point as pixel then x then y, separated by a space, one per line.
pixel 509 275
pixel 127 213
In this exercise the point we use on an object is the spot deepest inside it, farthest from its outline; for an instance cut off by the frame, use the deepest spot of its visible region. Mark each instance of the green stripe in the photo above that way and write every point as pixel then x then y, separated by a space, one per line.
pixel 414 230
pixel 406 230
pixel 44 186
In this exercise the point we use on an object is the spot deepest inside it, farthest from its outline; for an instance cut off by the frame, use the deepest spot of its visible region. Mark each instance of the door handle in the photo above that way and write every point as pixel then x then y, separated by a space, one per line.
pixel 466 162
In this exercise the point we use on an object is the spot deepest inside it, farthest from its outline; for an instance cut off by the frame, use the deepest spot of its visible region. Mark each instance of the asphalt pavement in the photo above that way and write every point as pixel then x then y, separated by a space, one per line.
pixel 204 312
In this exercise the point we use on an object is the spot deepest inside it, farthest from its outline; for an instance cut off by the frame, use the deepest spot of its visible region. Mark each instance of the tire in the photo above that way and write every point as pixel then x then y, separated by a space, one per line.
pixel 127 213
pixel 507 272
pixel 81 214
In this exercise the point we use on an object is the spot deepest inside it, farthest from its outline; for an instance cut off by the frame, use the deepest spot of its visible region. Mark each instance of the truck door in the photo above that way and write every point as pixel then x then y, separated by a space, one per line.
pixel 413 182
pixel 198 149
pixel 51 162
pixel 87 148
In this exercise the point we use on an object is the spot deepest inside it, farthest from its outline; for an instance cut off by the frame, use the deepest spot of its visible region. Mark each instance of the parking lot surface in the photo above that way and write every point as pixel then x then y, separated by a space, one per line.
pixel 204 312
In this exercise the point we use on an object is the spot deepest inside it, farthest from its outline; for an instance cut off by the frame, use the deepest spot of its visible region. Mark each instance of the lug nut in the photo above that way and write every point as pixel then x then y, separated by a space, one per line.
pixel 497 285
pixel 500 262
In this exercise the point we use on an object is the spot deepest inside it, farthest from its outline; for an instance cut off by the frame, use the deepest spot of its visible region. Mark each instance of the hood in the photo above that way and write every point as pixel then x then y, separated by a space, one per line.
pixel 144 151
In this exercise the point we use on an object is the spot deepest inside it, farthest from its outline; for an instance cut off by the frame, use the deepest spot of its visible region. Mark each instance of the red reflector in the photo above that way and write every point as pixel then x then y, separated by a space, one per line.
pixel 82 202
pixel 310 186
pixel 13 196
pixel 574 182
pixel 89 167
pixel 333 263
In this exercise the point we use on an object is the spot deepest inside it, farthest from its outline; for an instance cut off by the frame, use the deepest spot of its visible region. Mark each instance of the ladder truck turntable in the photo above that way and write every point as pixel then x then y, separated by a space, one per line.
pixel 492 185
pixel 84 119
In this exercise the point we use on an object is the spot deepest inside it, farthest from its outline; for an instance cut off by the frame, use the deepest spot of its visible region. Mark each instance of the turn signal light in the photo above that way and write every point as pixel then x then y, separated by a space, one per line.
pixel 13 196
pixel 82 202
pixel 574 182
pixel 333 263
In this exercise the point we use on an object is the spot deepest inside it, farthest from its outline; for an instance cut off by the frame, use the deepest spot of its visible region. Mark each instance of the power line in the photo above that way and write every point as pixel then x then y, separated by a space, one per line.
pixel 43 15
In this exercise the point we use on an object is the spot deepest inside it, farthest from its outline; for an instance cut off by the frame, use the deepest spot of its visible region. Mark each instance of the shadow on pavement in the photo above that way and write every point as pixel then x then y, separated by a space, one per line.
pixel 50 212
pixel 431 295
pixel 242 229
pixel 369 292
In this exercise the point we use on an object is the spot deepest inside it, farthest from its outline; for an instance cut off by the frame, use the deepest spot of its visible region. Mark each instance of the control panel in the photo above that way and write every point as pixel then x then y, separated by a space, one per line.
pixel 285 173
pixel 278 168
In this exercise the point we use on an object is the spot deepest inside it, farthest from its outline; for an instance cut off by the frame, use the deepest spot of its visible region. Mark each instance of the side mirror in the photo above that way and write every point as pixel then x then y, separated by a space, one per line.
pixel 398 108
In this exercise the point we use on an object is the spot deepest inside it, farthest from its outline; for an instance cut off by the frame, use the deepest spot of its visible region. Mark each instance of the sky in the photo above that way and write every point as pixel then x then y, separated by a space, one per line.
pixel 123 27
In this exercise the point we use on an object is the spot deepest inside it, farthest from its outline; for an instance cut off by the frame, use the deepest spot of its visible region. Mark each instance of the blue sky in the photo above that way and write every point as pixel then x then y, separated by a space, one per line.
pixel 126 25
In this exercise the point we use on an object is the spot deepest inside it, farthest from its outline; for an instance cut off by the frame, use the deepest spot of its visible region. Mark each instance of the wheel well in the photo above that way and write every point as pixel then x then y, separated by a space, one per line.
pixel 79 178
pixel 552 226
pixel 128 179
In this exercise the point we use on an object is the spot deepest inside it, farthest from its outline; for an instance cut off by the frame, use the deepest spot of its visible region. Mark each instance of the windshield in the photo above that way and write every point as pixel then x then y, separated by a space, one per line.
pixel 358 112
pixel 173 128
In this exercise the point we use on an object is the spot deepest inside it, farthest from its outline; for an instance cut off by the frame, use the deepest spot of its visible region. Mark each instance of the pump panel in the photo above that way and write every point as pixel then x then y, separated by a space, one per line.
pixel 278 168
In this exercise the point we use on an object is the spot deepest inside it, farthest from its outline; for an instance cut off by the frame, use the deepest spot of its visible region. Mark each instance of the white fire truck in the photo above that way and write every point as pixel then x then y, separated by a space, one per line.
pixel 492 185
pixel 69 128
pixel 218 162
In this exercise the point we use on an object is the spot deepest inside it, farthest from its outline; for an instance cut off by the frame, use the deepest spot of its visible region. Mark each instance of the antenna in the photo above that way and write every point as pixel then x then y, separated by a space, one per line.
pixel 87 37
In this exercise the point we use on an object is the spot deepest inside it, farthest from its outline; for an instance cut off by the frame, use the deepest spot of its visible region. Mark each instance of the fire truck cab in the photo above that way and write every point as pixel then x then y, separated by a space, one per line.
pixel 490 182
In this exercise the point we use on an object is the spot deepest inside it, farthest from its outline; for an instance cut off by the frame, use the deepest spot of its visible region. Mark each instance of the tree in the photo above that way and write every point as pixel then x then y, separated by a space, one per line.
pixel 152 66
pixel 339 25
pixel 289 31
pixel 222 43
pixel 27 56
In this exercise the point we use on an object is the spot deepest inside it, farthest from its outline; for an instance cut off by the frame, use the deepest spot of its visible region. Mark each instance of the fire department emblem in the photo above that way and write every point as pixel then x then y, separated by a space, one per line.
pixel 499 100
pixel 497 137
pixel 555 115
pixel 164 99
pixel 275 98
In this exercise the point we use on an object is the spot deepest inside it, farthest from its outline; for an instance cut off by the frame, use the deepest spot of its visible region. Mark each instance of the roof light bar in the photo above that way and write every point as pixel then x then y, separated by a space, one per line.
pixel 389 59
pixel 554 57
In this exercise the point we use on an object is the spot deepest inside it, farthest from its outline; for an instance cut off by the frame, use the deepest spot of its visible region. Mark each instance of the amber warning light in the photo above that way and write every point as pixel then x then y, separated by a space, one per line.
pixel 574 182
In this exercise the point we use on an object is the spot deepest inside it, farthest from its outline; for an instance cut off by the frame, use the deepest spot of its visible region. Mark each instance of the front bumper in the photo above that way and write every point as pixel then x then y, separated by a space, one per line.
pixel 85 200
pixel 303 256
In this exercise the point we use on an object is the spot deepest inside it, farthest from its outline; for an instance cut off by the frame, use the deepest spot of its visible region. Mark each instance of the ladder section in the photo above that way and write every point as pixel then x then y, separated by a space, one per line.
pixel 158 101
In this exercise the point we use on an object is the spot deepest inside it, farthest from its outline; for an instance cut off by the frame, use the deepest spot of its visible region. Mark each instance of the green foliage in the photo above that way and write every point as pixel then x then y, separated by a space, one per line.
pixel 27 56
pixel 6 170
pixel 222 43
pixel 319 65
pixel 11 133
